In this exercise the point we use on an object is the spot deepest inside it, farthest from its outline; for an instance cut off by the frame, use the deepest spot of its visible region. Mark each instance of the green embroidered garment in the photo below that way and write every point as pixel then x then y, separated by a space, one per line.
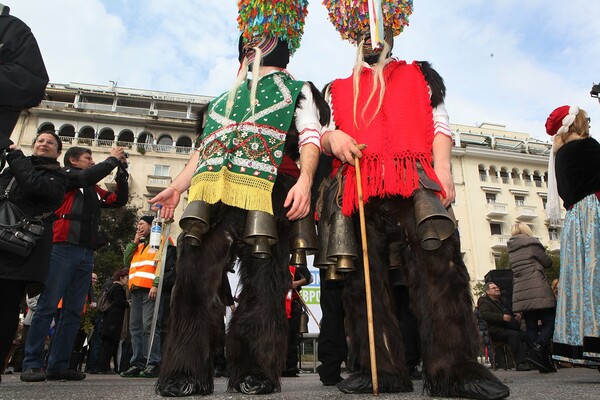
pixel 241 152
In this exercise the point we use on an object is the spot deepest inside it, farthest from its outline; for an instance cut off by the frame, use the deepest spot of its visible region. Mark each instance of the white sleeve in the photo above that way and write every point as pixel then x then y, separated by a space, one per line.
pixel 307 120
pixel 441 121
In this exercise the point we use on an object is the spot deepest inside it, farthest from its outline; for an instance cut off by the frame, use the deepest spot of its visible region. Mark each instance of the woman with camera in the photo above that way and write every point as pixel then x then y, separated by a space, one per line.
pixel 37 186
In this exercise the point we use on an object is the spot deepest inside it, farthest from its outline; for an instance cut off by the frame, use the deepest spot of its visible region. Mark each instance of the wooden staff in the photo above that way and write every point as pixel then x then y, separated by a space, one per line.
pixel 308 309
pixel 363 234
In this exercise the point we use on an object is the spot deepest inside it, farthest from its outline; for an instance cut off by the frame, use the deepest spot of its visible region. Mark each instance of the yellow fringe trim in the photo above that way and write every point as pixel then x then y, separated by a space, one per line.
pixel 237 190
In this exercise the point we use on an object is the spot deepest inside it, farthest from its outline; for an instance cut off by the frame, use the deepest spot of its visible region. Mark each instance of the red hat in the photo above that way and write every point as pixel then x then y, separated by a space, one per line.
pixel 561 119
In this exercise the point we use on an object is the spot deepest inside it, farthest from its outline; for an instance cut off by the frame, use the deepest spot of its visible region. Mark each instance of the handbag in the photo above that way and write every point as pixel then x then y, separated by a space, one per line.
pixel 104 302
pixel 18 232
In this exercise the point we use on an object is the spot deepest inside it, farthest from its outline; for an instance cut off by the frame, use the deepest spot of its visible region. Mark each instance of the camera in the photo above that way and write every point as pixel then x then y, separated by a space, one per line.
pixel 126 155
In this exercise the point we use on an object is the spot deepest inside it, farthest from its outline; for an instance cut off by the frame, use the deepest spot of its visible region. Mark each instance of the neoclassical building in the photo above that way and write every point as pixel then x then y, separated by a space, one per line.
pixel 500 176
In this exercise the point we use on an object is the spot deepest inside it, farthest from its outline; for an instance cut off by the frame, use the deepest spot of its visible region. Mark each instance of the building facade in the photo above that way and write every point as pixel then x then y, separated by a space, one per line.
pixel 500 176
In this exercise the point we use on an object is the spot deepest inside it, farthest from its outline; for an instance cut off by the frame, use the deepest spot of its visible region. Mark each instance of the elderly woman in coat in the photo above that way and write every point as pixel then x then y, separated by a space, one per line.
pixel 532 294
pixel 38 189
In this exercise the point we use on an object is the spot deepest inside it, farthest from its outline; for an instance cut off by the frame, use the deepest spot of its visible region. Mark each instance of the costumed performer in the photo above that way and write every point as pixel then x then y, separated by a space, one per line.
pixel 574 175
pixel 397 109
pixel 245 172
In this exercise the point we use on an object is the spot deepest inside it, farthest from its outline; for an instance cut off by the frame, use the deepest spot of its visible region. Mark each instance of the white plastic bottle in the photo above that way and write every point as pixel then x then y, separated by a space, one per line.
pixel 155 232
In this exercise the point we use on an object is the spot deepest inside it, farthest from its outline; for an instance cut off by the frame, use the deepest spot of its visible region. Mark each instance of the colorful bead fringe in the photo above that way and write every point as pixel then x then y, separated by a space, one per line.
pixel 282 18
pixel 351 17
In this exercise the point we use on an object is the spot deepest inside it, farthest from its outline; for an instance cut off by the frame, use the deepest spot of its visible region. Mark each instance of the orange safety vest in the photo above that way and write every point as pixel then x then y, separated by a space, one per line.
pixel 143 267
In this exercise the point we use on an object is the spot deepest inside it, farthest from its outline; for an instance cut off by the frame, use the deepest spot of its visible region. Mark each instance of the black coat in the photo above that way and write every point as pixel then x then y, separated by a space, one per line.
pixel 39 187
pixel 23 76
pixel 113 318
pixel 492 312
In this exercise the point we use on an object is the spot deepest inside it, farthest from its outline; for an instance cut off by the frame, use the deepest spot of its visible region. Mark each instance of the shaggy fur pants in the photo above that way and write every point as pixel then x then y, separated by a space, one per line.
pixel 439 290
pixel 257 335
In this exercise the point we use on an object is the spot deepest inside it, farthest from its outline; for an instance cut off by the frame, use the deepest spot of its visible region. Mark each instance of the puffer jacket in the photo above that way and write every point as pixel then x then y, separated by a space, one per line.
pixel 528 259
pixel 39 188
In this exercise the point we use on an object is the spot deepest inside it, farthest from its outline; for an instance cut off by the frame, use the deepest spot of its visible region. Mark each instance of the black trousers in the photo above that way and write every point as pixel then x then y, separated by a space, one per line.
pixel 516 342
pixel 11 294
pixel 333 348
pixel 108 351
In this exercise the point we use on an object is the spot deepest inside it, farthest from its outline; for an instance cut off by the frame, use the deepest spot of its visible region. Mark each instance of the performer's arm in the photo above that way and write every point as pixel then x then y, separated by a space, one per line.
pixel 309 128
pixel 442 153
pixel 299 195
pixel 169 198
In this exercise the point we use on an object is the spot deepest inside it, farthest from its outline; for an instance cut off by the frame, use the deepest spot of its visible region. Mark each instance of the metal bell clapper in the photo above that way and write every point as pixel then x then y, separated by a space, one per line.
pixel 260 232
pixel 195 220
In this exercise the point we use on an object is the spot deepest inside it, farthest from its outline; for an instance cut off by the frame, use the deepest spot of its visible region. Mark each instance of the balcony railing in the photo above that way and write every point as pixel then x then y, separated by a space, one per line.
pixel 526 212
pixel 496 210
pixel 156 183
pixel 161 148
pixel 554 245
pixel 498 242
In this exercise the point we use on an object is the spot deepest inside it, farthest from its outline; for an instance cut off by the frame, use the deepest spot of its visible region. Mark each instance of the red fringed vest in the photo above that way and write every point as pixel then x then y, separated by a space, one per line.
pixel 398 138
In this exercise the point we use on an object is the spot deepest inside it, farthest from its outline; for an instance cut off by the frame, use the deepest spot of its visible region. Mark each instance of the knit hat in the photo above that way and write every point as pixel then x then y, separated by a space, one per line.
pixel 561 119
pixel 147 218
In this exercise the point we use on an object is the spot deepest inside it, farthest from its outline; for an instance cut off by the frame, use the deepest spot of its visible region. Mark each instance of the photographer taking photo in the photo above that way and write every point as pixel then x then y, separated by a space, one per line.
pixel 38 188
pixel 71 261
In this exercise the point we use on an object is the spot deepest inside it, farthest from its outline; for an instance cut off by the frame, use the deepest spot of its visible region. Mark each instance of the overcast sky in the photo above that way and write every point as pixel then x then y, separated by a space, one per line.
pixel 508 62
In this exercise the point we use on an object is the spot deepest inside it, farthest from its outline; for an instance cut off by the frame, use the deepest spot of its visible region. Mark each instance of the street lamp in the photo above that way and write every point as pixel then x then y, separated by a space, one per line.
pixel 595 92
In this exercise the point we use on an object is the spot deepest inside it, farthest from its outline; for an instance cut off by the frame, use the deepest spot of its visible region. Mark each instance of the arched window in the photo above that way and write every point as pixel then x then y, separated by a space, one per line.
pixel 183 145
pixel 504 175
pixel 527 177
pixel 66 133
pixel 145 141
pixel 482 173
pixel 493 174
pixel 516 177
pixel 537 178
pixel 164 144
pixel 46 127
pixel 125 138
pixel 106 137
pixel 86 136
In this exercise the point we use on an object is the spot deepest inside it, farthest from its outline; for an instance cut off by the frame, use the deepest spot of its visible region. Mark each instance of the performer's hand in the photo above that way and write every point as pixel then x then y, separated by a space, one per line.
pixel 445 177
pixel 341 145
pixel 168 198
pixel 152 293
pixel 298 199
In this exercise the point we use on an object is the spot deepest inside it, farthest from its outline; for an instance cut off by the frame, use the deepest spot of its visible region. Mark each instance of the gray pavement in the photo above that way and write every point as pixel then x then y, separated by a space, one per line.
pixel 570 383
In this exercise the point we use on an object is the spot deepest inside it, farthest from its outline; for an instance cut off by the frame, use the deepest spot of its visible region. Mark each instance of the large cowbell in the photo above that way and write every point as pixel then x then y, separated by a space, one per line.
pixel 434 222
pixel 303 323
pixel 321 261
pixel 342 243
pixel 303 240
pixel 260 232
pixel 195 220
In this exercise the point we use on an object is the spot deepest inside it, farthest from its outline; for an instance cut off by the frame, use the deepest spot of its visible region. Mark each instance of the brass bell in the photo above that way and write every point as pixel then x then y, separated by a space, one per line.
pixel 332 274
pixel 303 323
pixel 260 232
pixel 342 246
pixel 298 257
pixel 321 260
pixel 396 254
pixel 304 235
pixel 434 223
pixel 195 220
pixel 303 239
